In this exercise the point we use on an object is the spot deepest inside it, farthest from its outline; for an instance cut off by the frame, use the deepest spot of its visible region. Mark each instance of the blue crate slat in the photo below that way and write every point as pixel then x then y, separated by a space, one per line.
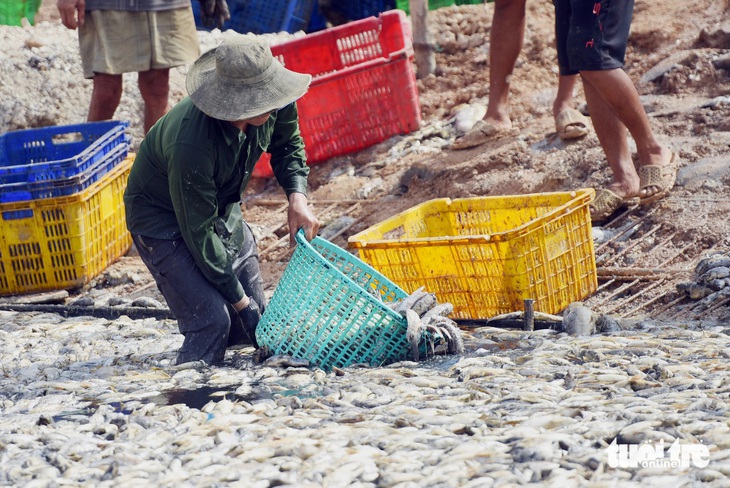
pixel 57 152
pixel 18 192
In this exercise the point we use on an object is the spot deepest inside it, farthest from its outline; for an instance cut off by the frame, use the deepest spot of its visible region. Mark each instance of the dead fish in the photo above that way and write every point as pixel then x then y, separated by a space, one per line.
pixel 714 261
pixel 414 330
pixel 579 320
pixel 410 300
pixel 713 274
pixel 443 309
pixel 449 329
pixel 424 303
pixel 605 323
pixel 285 361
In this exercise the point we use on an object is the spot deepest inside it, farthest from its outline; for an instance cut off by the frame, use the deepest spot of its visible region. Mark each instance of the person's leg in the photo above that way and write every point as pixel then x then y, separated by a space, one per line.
pixel 105 97
pixel 569 123
pixel 505 43
pixel 154 86
pixel 617 91
pixel 595 45
pixel 201 311
pixel 246 267
pixel 564 100
pixel 611 133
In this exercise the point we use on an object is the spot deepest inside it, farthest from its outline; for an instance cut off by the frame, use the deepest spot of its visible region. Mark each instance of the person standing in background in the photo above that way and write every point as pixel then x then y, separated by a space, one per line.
pixel 505 43
pixel 144 36
pixel 591 40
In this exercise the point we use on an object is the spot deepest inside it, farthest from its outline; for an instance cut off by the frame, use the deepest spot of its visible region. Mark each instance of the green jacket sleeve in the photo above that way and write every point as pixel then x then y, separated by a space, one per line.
pixel 288 159
pixel 211 236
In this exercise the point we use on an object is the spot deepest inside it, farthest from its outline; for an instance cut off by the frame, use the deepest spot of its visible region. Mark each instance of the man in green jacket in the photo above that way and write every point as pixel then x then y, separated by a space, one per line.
pixel 183 194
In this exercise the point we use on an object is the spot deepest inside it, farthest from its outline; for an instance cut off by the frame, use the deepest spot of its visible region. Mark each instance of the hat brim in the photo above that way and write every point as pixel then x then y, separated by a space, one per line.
pixel 232 101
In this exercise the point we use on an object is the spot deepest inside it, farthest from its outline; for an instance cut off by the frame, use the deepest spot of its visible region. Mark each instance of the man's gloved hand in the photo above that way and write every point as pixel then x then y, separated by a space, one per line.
pixel 250 317
pixel 214 13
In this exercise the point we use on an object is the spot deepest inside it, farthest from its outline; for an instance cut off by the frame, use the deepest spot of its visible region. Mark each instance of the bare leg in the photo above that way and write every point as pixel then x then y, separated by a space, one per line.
pixel 619 94
pixel 505 42
pixel 154 86
pixel 105 96
pixel 564 98
pixel 612 136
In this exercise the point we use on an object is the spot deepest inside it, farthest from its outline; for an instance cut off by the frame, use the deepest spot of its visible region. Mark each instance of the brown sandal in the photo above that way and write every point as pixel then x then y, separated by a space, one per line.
pixel 571 124
pixel 478 135
pixel 662 177
pixel 607 203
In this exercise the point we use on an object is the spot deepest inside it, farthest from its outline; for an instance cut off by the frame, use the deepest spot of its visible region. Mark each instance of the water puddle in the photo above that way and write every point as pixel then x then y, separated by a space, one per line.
pixel 82 414
pixel 199 397
pixel 548 143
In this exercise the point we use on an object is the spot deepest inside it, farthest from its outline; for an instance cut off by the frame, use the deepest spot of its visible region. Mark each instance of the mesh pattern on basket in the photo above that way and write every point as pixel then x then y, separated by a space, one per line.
pixel 325 309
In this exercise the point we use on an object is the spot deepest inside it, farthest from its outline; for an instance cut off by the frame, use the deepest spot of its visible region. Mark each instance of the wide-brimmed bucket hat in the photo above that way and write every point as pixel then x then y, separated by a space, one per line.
pixel 241 79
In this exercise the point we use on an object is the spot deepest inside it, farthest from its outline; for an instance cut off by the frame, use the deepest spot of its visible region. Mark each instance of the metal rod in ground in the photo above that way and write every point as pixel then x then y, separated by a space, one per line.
pixel 529 315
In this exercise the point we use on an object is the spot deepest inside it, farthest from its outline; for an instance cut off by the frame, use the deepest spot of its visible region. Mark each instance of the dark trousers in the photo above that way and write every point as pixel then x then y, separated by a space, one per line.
pixel 207 321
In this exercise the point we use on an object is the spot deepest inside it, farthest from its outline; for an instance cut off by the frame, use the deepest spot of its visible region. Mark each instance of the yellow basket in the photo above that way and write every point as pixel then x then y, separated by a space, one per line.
pixel 63 242
pixel 486 255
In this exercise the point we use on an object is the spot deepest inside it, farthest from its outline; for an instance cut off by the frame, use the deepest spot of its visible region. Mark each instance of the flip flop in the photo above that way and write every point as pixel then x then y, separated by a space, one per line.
pixel 607 203
pixel 662 177
pixel 478 135
pixel 571 124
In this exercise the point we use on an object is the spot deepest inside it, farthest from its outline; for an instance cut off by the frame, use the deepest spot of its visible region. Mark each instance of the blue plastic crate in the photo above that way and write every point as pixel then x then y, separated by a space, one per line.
pixel 263 16
pixel 57 152
pixel 18 192
pixel 361 9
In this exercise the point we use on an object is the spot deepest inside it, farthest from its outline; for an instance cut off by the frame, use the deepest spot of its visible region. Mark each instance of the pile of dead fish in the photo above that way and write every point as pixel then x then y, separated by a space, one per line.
pixel 428 321
pixel 712 281
pixel 96 402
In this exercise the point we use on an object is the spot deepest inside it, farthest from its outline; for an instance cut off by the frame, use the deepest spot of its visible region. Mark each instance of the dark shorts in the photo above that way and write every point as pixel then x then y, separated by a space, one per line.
pixel 591 35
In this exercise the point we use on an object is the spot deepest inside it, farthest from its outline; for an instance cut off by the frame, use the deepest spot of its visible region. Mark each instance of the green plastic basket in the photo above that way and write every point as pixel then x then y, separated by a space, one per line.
pixel 434 4
pixel 13 11
pixel 329 308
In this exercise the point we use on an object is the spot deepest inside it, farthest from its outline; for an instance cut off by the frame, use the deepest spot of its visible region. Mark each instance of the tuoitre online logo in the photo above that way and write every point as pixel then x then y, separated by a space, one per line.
pixel 648 455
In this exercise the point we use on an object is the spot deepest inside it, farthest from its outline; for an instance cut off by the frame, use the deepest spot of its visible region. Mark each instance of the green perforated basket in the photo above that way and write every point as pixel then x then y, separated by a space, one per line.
pixel 329 307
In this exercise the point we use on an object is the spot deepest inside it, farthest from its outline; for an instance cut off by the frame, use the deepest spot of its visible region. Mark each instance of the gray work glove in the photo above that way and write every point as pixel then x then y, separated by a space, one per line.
pixel 250 317
pixel 214 13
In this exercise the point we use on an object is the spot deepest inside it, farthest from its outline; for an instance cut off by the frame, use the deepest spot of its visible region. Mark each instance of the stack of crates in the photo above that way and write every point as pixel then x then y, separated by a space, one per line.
pixel 62 216
pixel 363 88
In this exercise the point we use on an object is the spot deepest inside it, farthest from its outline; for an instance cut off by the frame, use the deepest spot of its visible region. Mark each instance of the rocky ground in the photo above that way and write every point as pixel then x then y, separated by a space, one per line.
pixel 97 401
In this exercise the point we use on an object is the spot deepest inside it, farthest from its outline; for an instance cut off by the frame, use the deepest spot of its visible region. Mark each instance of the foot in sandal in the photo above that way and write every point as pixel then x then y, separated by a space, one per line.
pixel 482 131
pixel 607 203
pixel 657 181
pixel 571 124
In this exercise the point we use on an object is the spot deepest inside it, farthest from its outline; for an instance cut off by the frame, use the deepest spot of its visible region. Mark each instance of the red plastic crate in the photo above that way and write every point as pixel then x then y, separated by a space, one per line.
pixel 363 89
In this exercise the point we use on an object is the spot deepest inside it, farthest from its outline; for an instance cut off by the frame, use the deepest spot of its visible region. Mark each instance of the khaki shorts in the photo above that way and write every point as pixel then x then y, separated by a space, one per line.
pixel 115 42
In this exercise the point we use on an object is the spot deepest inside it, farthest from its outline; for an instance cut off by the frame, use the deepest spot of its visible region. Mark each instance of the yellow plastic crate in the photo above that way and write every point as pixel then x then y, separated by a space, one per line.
pixel 63 242
pixel 486 255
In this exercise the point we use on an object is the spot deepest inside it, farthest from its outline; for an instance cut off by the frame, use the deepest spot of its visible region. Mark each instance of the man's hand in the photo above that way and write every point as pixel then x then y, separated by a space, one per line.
pixel 72 12
pixel 214 13
pixel 300 217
